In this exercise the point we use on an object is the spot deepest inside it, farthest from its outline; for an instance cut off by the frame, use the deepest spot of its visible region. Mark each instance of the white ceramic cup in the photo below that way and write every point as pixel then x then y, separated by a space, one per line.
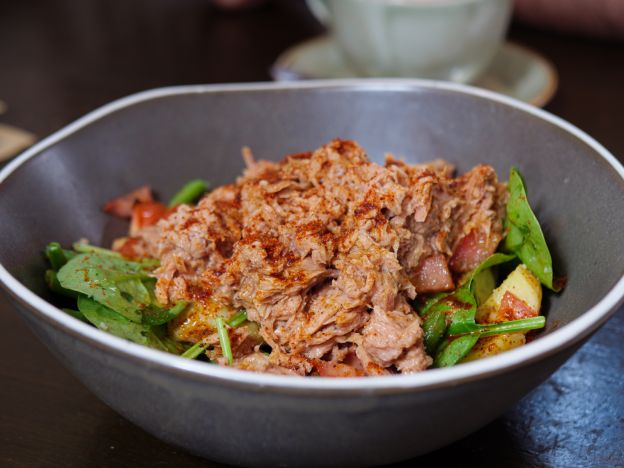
pixel 437 39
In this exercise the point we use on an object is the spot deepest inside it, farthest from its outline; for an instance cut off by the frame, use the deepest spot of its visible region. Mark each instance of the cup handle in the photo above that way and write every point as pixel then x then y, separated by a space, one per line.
pixel 320 9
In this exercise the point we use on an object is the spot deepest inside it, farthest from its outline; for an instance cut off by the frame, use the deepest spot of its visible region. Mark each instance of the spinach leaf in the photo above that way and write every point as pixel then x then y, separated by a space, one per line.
pixel 114 294
pixel 111 281
pixel 51 279
pixel 491 261
pixel 134 289
pixel 76 314
pixel 83 247
pixel 116 324
pixel 525 237
pixel 110 321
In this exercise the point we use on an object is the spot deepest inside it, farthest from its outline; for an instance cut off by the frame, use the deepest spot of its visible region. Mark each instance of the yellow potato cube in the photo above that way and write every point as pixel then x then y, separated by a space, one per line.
pixel 522 284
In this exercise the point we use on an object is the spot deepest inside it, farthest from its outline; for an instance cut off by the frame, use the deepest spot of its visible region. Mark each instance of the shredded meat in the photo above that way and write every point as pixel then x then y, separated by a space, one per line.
pixel 325 251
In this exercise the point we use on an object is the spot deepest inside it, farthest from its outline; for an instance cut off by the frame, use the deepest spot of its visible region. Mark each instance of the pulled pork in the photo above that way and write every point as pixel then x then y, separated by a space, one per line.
pixel 325 251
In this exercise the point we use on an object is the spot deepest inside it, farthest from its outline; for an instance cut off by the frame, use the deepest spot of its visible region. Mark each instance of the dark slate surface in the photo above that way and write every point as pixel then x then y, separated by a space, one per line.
pixel 61 59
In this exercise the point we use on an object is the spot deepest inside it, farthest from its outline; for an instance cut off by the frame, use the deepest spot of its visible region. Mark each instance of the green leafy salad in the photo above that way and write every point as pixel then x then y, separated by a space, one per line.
pixel 116 294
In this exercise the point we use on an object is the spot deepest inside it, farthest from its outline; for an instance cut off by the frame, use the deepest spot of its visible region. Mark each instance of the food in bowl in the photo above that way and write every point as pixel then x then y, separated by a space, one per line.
pixel 322 264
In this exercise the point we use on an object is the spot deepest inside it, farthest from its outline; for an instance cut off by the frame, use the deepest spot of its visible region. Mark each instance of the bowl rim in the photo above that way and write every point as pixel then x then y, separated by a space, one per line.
pixel 556 341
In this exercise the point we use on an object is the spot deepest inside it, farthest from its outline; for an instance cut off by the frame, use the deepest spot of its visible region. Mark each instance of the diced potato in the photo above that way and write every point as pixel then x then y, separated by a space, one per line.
pixel 522 284
pixel 493 345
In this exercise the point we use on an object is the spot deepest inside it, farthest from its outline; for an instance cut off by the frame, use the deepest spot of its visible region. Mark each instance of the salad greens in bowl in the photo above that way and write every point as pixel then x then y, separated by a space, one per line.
pixel 115 333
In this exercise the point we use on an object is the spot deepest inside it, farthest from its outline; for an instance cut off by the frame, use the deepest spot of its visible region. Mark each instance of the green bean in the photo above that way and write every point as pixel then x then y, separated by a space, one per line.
pixel 423 308
pixel 512 326
pixel 56 255
pixel 433 329
pixel 189 193
pixel 224 340
pixel 195 351
pixel 238 319
pixel 452 351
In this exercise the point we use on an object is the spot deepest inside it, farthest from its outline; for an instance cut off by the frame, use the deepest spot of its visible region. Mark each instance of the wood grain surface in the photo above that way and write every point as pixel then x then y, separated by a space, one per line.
pixel 61 59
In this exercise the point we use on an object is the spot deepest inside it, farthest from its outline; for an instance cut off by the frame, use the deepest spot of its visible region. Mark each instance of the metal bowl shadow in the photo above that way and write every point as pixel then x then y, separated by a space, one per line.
pixel 167 136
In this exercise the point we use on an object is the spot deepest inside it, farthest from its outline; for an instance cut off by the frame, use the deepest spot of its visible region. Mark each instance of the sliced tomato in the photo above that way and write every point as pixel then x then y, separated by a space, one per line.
pixel 122 206
pixel 432 275
pixel 146 214
pixel 514 308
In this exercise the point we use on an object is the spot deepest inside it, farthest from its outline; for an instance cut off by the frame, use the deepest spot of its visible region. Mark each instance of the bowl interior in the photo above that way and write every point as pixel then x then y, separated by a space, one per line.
pixel 167 140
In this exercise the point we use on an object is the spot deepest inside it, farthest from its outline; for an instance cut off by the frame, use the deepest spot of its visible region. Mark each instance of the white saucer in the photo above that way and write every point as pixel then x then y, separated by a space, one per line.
pixel 515 71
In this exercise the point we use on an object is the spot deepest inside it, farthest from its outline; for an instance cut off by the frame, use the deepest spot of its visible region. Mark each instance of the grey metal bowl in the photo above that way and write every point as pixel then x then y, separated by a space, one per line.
pixel 165 137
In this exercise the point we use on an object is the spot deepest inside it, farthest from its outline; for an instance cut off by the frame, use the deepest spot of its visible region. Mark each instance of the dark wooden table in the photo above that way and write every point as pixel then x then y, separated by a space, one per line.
pixel 61 59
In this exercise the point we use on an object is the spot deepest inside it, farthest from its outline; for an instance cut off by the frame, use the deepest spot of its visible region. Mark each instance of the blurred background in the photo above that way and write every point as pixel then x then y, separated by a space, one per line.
pixel 61 59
